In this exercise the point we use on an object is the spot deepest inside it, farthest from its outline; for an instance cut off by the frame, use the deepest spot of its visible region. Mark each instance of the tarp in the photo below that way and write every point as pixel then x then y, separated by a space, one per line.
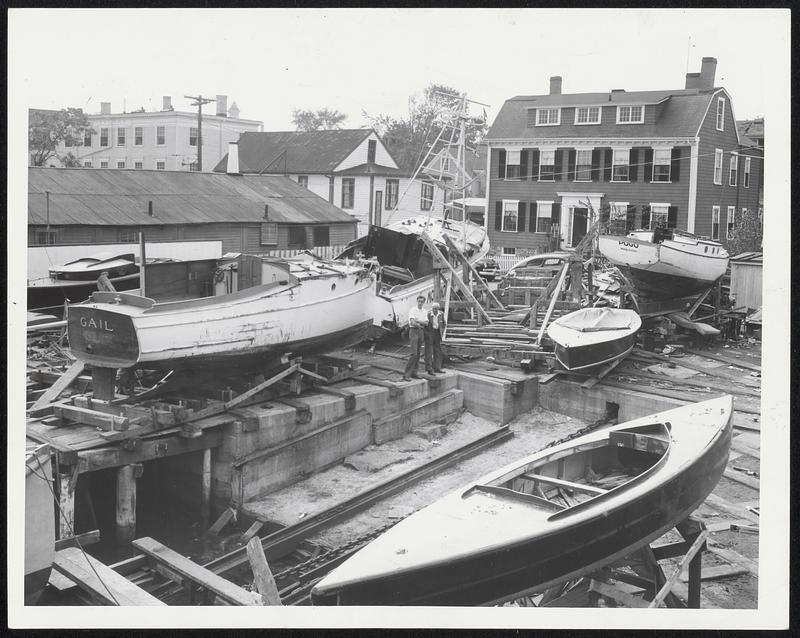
pixel 593 319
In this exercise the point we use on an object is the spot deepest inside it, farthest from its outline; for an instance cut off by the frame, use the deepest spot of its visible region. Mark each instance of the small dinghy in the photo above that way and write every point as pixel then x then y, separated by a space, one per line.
pixel 593 336
pixel 553 516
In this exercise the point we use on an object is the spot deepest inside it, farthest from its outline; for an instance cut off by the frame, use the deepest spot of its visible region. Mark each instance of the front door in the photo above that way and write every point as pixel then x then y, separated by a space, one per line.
pixel 378 208
pixel 580 218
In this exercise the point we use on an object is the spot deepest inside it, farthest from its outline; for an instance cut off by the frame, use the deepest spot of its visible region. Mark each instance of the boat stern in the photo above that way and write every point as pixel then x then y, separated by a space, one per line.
pixel 102 337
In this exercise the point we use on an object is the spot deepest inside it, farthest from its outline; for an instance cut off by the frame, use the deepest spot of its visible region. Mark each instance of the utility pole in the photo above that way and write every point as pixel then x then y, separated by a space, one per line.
pixel 199 100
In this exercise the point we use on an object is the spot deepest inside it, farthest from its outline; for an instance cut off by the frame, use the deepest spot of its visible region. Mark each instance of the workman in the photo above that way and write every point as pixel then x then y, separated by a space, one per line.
pixel 417 320
pixel 104 283
pixel 434 329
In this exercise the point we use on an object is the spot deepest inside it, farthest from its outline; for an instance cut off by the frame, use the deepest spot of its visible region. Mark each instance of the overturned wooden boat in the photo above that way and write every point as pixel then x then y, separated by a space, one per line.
pixel 310 306
pixel 40 534
pixel 593 336
pixel 666 264
pixel 548 518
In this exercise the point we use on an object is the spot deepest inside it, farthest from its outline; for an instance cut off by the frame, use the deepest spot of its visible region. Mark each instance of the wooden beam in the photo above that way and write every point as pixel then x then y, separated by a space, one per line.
pixel 549 312
pixel 725 359
pixel 63 382
pixel 616 594
pixel 254 529
pixel 697 546
pixel 479 280
pixel 734 509
pixel 91 417
pixel 205 494
pixel 126 505
pixel 264 580
pixel 81 540
pixel 222 521
pixel 551 480
pixel 66 503
pixel 734 557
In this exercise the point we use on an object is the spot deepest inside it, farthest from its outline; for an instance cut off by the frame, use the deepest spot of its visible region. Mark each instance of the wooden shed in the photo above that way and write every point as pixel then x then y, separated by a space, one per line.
pixel 746 279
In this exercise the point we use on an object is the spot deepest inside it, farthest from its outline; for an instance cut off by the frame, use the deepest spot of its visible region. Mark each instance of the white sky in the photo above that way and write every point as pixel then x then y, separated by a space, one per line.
pixel 271 61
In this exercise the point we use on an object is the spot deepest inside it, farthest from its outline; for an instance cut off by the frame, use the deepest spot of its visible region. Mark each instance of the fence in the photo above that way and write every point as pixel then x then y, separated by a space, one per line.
pixel 326 252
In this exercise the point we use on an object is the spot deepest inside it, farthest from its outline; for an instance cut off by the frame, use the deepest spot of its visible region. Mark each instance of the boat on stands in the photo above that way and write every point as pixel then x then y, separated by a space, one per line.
pixel 551 517
pixel 310 305
pixel 593 336
pixel 666 264
pixel 40 535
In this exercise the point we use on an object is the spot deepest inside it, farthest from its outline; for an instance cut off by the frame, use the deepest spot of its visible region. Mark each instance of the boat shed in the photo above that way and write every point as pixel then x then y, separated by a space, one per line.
pixel 248 213
pixel 746 279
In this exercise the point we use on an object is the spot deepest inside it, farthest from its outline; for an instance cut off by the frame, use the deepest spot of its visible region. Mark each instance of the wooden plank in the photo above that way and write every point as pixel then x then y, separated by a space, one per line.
pixel 734 509
pixel 590 383
pixel 222 521
pixel 742 478
pixel 744 448
pixel 689 365
pixel 198 574
pixel 81 540
pixel 609 591
pixel 63 382
pixel 100 581
pixel 579 487
pixel 91 417
pixel 697 545
pixel 725 359
pixel 703 383
pixel 264 580
pixel 734 557
pixel 715 572
pixel 254 529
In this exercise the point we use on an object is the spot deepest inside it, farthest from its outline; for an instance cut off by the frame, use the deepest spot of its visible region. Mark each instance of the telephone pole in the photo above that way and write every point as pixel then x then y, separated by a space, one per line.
pixel 199 100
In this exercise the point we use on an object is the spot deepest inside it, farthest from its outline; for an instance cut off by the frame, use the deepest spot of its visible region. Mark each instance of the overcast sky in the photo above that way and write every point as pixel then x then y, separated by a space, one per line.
pixel 272 61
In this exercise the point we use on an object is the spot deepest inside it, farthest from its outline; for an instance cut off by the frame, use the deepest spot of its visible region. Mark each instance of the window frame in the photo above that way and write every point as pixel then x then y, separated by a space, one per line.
pixel 549 111
pixel 138 136
pixel 87 164
pixel 122 134
pixel 127 236
pixel 515 204
pixel 720 120
pixel 140 164
pixel 630 119
pixel 324 241
pixel 268 235
pixel 161 161
pixel 615 165
pixel 392 193
pixel 509 250
pixel 541 216
pixel 715 215
pixel 512 176
pixel 123 162
pixel 372 150
pixel 87 136
pixel 589 165
pixel 718 159
pixel 552 177
pixel 302 180
pixel 196 135
pixel 295 228
pixel 746 176
pixel 588 110
pixel 733 169
pixel 665 214
pixel 50 237
pixel 667 163
pixel 348 204
pixel 162 136
pixel 423 189
pixel 103 163
pixel 730 221
pixel 104 137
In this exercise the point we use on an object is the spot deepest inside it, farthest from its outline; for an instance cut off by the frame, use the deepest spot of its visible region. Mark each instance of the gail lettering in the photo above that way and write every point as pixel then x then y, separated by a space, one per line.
pixel 99 324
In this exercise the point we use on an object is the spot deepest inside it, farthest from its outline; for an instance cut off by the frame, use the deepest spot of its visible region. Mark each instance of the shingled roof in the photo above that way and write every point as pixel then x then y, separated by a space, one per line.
pixel 305 152
pixel 100 197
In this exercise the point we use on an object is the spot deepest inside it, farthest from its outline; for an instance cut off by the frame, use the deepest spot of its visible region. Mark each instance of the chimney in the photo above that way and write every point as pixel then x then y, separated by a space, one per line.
pixel 233 159
pixel 708 69
pixel 222 106
pixel 618 90
pixel 105 108
pixel 692 80
pixel 166 104
pixel 233 111
pixel 555 85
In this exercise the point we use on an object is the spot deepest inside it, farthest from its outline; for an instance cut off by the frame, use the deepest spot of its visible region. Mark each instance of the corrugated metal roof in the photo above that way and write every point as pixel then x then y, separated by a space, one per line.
pixel 306 152
pixel 749 257
pixel 92 196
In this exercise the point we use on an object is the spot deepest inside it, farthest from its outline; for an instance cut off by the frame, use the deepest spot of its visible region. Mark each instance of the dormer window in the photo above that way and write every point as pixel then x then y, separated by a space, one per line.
pixel 720 113
pixel 587 115
pixel 371 145
pixel 630 114
pixel 548 117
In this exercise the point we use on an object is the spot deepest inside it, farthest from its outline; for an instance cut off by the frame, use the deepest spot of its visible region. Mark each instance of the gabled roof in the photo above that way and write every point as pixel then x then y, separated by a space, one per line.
pixel 370 168
pixel 100 197
pixel 305 152
pixel 681 113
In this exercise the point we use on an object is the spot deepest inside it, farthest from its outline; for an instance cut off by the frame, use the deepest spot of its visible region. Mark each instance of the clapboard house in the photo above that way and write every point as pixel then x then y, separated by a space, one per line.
pixel 259 214
pixel 641 159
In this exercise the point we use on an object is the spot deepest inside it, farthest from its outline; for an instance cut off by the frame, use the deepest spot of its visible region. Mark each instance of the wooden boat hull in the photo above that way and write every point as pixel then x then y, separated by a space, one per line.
pixel 53 293
pixel 39 524
pixel 582 539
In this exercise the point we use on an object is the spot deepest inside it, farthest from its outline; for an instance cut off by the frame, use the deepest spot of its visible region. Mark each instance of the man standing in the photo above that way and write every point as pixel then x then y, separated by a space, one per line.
pixel 434 328
pixel 417 320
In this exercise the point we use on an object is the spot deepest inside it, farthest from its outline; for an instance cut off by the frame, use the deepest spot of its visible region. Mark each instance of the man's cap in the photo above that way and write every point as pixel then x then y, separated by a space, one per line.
pixel 421 297
pixel 435 305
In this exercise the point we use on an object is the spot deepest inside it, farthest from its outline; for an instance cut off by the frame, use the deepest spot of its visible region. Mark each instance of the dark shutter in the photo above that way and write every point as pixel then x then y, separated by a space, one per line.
pixel 501 163
pixel 607 161
pixel 672 216
pixel 571 159
pixel 633 167
pixel 523 164
pixel 558 161
pixel 521 214
pixel 535 164
pixel 532 217
pixel 595 165
pixel 675 169
pixel 630 219
pixel 648 165
pixel 645 216
pixel 498 215
pixel 556 215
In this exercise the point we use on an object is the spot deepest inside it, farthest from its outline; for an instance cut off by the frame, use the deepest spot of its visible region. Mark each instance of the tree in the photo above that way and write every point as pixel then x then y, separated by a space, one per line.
pixel 748 233
pixel 319 120
pixel 47 130
pixel 409 138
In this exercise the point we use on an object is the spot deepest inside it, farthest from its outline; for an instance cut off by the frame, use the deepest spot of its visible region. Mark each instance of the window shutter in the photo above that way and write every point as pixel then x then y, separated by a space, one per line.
pixel 648 165
pixel 607 161
pixel 532 217
pixel 556 215
pixel 596 165
pixel 498 215
pixel 523 164
pixel 630 218
pixel 521 217
pixel 645 217
pixel 501 163
pixel 633 166
pixel 535 164
pixel 571 159
pixel 672 217
pixel 675 168
pixel 558 168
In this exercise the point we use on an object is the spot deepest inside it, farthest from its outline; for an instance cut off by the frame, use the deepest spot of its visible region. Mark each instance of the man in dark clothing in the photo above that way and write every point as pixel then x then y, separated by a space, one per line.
pixel 433 339
pixel 417 318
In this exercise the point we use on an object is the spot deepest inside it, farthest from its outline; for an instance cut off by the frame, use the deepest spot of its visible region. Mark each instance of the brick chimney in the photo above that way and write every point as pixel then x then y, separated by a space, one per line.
pixel 233 111
pixel 708 69
pixel 222 105
pixel 555 85
pixel 232 167
pixel 105 108
pixel 166 103
pixel 692 80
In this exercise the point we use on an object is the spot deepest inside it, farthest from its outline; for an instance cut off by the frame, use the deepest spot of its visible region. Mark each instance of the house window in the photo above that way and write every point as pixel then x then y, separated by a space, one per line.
pixel 302 180
pixel 269 234
pixel 426 196
pixel 620 164
pixel 194 167
pixel 127 235
pixel 87 164
pixel 120 137
pixel 715 222
pixel 659 216
pixel 544 217
pixel 138 136
pixel 138 164
pixel 662 162
pixel 103 163
pixel 348 192
pixel 161 165
pixel 297 236
pixel 193 136
pixel 547 165
pixel 731 221
pixel 746 172
pixel 733 169
pixel 548 117
pixel 45 238
pixel 618 218
pixel 371 146
pixel 322 236
pixel 720 113
pixel 446 164
pixel 587 115
pixel 512 164
pixel 87 138
pixel 630 114
pixel 718 166
pixel 392 193
pixel 120 163
pixel 583 165
pixel 510 216
pixel 103 137
pixel 161 135
pixel 509 251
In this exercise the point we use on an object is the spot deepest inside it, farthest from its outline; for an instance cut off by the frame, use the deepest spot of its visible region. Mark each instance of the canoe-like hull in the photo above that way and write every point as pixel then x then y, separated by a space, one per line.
pixel 39 524
pixel 431 559
pixel 52 293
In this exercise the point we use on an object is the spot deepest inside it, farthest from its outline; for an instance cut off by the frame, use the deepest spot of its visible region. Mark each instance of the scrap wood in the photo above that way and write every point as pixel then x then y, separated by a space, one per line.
pixel 648 357
pixel 715 572
pixel 705 383
pixel 696 546
pixel 724 359
pixel 722 505
pixel 610 591
pixel 733 557
pixel 742 479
